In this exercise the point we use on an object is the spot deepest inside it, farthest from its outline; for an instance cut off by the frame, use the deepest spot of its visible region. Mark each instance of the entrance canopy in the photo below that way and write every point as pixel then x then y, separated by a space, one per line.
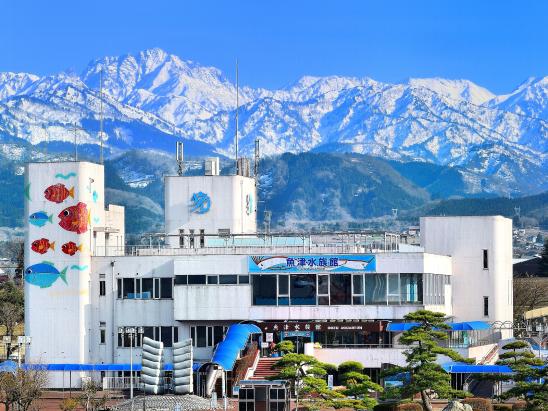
pixel 462 326
pixel 236 338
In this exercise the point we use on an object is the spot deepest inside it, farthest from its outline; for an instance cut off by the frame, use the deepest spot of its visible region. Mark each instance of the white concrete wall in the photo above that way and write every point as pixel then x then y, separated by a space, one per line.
pixel 57 316
pixel 464 239
pixel 228 195
pixel 369 357
pixel 412 262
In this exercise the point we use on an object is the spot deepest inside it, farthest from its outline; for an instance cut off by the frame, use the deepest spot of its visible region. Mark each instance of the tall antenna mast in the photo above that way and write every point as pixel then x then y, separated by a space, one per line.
pixel 256 165
pixel 101 116
pixel 237 109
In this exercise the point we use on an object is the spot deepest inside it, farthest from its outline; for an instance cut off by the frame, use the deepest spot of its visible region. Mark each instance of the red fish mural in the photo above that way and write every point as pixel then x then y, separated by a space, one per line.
pixel 42 246
pixel 58 193
pixel 75 218
pixel 71 248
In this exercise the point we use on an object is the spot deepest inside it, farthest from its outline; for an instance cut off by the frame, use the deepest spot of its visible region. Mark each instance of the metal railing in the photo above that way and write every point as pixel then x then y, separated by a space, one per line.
pixel 124 383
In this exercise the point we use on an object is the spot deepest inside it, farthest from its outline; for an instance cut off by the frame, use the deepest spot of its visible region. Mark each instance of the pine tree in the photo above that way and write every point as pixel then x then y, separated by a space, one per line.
pixel 426 377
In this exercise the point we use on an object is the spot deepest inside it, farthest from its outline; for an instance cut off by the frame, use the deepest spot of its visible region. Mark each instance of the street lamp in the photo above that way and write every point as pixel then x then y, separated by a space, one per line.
pixel 132 333
pixel 22 339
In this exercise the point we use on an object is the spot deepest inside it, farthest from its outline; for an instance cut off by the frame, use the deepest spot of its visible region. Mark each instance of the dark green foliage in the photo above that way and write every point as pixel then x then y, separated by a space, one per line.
pixel 405 406
pixel 285 347
pixel 544 260
pixel 502 407
pixel 426 376
pixel 528 370
pixel 479 404
pixel 349 366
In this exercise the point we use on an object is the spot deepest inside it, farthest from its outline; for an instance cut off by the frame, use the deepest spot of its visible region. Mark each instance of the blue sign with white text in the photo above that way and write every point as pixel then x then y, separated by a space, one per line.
pixel 312 263
pixel 200 203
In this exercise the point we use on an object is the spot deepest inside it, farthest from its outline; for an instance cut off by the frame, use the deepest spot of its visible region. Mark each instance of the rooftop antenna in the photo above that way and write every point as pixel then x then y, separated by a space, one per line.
pixel 267 220
pixel 101 116
pixel 256 165
pixel 179 158
pixel 237 109
pixel 75 128
pixel 395 213
pixel 47 142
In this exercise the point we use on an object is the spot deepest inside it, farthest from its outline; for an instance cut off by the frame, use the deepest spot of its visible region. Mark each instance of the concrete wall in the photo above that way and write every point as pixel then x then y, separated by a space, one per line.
pixel 233 205
pixel 464 239
pixel 57 314
pixel 369 357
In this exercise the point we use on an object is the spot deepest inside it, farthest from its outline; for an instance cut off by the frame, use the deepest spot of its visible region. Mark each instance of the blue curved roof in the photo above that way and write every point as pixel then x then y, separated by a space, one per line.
pixel 236 338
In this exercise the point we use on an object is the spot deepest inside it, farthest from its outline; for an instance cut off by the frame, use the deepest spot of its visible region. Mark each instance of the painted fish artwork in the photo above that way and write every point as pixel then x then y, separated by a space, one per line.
pixel 42 246
pixel 71 248
pixel 40 218
pixel 44 274
pixel 75 218
pixel 58 193
pixel 95 196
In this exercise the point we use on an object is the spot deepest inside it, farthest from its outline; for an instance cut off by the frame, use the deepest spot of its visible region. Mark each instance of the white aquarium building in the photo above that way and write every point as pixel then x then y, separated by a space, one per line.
pixel 339 296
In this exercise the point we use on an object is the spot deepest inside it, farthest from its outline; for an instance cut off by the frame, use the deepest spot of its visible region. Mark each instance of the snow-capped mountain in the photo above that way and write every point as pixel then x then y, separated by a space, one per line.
pixel 152 98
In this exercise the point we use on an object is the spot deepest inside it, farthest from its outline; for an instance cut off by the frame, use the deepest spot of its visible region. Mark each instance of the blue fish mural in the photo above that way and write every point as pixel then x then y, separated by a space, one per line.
pixel 200 203
pixel 95 196
pixel 40 218
pixel 44 274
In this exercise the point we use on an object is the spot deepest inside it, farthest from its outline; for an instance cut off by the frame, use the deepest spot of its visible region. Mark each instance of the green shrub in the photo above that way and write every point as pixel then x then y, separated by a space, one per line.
pixel 349 366
pixel 479 404
pixel 285 347
pixel 502 407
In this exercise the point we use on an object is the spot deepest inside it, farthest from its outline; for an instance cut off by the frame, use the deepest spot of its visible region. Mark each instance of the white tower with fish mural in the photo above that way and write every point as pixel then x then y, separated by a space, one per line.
pixel 64 202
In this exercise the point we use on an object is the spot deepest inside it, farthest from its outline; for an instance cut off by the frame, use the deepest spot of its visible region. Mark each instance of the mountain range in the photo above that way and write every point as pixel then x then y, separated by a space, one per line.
pixel 407 143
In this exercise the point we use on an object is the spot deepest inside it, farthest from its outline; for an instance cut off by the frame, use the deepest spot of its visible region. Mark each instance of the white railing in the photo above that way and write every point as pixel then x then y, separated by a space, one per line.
pixel 124 383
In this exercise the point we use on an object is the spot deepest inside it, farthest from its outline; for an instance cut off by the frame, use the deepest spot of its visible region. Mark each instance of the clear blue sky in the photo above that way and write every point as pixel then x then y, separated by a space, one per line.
pixel 497 44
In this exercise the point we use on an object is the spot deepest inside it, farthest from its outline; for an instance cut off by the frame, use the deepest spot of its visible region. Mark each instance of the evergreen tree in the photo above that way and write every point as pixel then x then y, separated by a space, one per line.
pixel 544 259
pixel 426 376
pixel 530 376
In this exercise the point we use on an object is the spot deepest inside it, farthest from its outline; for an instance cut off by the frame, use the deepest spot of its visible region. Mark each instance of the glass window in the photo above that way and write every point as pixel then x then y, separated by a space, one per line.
pixel 196 279
pixel 210 336
pixel 167 288
pixel 166 336
pixel 357 299
pixel 264 289
pixel 283 285
pixel 119 287
pixel 147 288
pixel 283 300
pixel 340 287
pixel 212 279
pixel 323 300
pixel 228 279
pixel 102 336
pixel 175 334
pixel 323 284
pixel 181 280
pixel 485 260
pixel 486 306
pixel 137 288
pixel 303 289
pixel 243 279
pixel 218 334
pixel 375 288
pixel 156 288
pixel 393 288
pixel 102 288
pixel 201 336
pixel 129 288
pixel 411 288
pixel 357 283
pixel 193 335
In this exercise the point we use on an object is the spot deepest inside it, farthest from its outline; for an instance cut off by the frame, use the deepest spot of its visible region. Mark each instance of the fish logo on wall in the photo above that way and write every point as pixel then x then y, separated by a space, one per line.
pixel 71 248
pixel 44 274
pixel 200 203
pixel 95 196
pixel 58 193
pixel 75 218
pixel 42 246
pixel 40 218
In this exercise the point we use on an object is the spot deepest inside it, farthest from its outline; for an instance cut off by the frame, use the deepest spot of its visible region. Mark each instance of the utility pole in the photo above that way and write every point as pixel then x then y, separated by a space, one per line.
pixel 101 116
pixel 75 129
pixel 237 109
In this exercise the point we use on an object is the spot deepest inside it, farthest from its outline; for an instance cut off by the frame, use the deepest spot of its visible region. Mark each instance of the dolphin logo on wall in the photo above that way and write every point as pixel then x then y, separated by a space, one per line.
pixel 200 203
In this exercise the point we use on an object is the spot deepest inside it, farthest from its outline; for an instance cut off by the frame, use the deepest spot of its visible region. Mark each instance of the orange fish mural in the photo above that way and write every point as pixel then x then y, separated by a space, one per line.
pixel 42 246
pixel 75 218
pixel 71 248
pixel 58 193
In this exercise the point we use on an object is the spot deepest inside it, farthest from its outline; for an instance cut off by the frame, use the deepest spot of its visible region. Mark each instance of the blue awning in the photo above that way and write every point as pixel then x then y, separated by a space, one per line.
pixel 92 367
pixel 236 338
pixel 8 366
pixel 462 326
pixel 462 368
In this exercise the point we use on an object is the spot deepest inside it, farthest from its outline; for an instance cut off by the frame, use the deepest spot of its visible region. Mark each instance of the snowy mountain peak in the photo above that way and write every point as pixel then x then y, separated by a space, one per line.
pixel 454 89
pixel 13 83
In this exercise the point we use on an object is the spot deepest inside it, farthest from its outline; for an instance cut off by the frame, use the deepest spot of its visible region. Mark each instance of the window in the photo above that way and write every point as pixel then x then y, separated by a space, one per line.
pixel 411 288
pixel 243 279
pixel 201 333
pixel 246 399
pixel 147 288
pixel 357 289
pixel 212 279
pixel 485 260
pixel 323 290
pixel 486 306
pixel 102 336
pixel 283 289
pixel 302 290
pixel 128 285
pixel 102 288
pixel 166 336
pixel 191 238
pixel 166 288
pixel 393 289
pixel 207 336
pixel 181 280
pixel 264 289
pixel 340 287
pixel 196 279
pixel 119 288
pixel 375 288
pixel 228 279
pixel 156 293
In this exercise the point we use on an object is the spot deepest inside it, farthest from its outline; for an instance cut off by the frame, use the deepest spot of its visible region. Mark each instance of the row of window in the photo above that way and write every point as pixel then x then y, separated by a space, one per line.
pixel 223 279
pixel 347 289
pixel 206 335
pixel 167 335
pixel 145 288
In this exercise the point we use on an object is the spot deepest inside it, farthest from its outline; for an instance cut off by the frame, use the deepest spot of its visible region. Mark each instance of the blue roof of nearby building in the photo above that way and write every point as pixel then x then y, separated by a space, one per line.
pixel 236 338
pixel 458 367
pixel 462 326
pixel 8 366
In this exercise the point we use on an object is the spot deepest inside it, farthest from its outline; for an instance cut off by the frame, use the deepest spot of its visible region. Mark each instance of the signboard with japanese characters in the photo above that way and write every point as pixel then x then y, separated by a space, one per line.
pixel 312 263
pixel 274 327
